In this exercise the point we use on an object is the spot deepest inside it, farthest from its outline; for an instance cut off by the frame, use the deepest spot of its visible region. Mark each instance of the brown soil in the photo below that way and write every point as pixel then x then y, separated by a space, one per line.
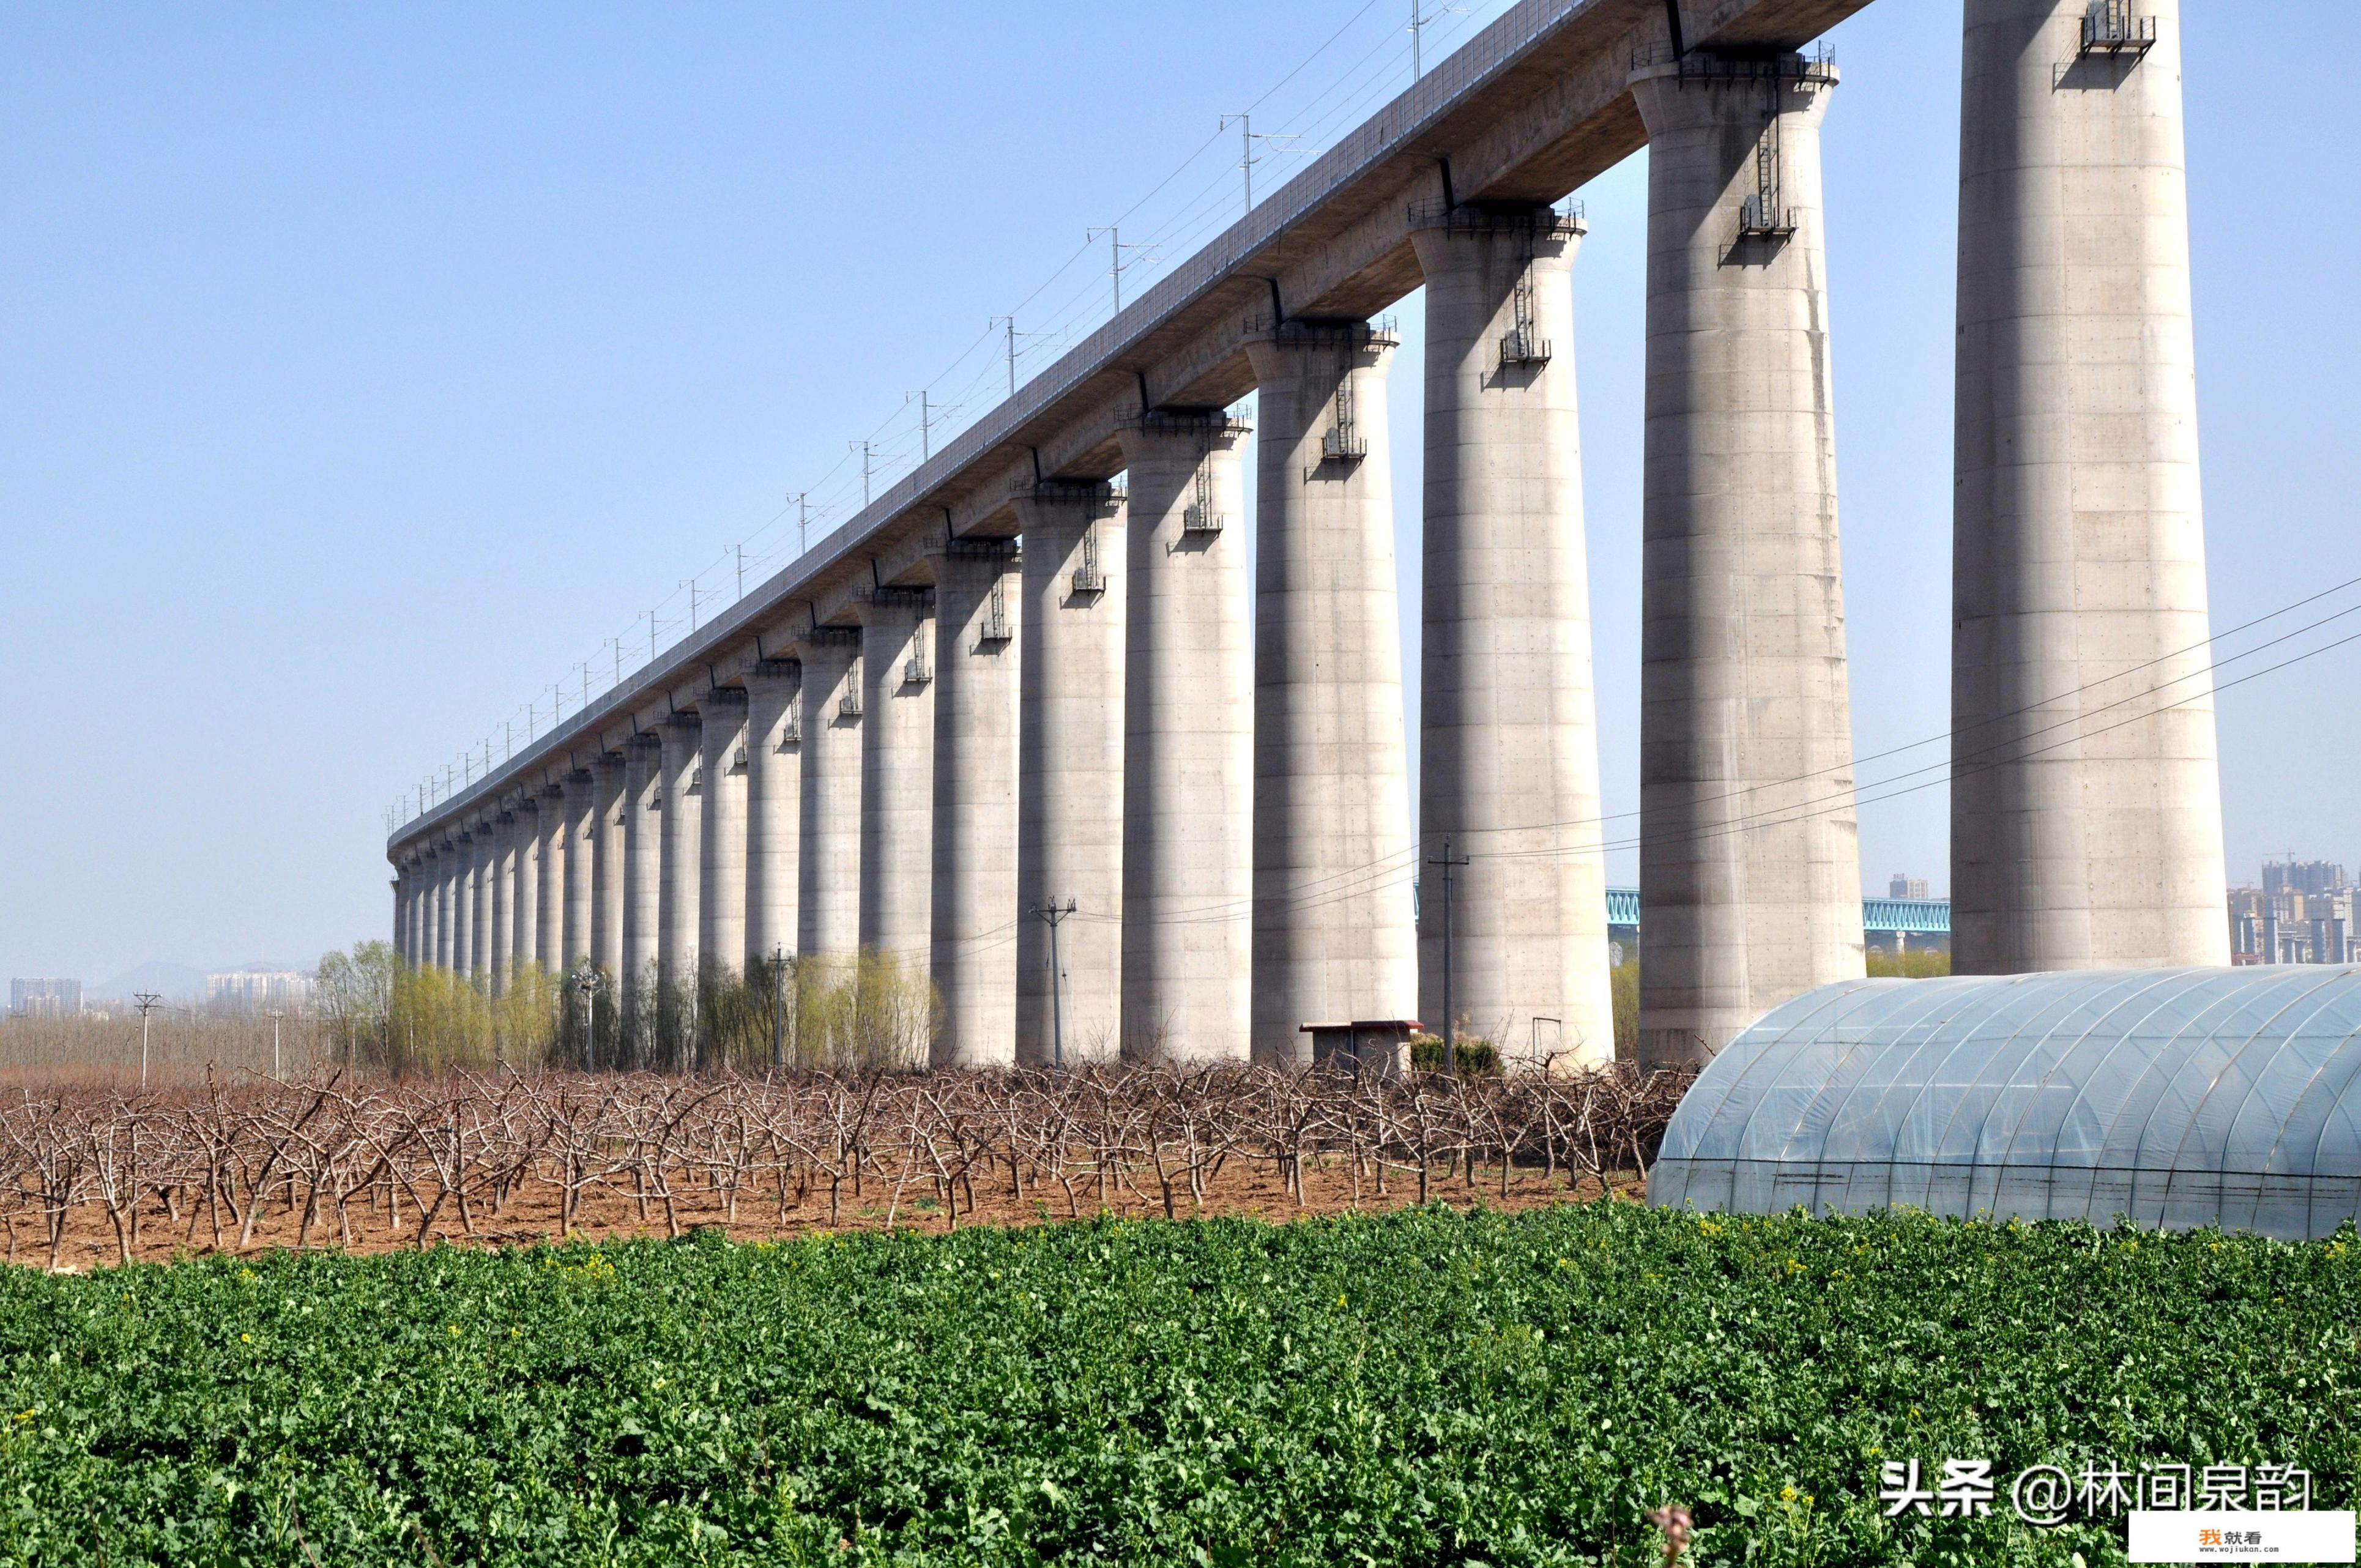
pixel 530 1216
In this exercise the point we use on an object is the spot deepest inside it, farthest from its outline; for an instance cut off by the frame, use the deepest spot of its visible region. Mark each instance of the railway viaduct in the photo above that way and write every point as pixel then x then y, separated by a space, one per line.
pixel 1014 703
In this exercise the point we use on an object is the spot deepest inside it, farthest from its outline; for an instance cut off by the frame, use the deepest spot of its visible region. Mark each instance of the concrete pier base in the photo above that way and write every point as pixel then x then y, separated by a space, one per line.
pixel 774 809
pixel 1508 723
pixel 1187 743
pixel 1335 937
pixel 1069 790
pixel 2086 810
pixel 1749 870
pixel 828 893
pixel 978 605
pixel 897 780
pixel 721 834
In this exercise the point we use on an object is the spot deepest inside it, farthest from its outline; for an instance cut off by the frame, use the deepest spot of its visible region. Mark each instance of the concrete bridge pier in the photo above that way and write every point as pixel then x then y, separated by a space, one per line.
pixel 1508 722
pixel 897 778
pixel 677 878
pixel 580 819
pixel 829 898
pixel 503 871
pixel 1748 862
pixel 524 898
pixel 482 868
pixel 1069 791
pixel 641 868
pixel 549 896
pixel 1187 743
pixel 974 914
pixel 774 807
pixel 1333 937
pixel 2078 542
pixel 399 885
pixel 721 833
pixel 610 802
pixel 450 946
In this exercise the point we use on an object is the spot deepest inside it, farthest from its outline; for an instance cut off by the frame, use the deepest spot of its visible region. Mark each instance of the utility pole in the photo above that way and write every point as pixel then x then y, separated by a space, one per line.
pixel 652 637
pixel 803 521
pixel 690 584
pixel 1050 915
pixel 742 571
pixel 779 1008
pixel 274 1014
pixel 864 471
pixel 1450 1021
pixel 1419 18
pixel 926 422
pixel 1009 322
pixel 145 1001
pixel 586 980
pixel 1115 263
pixel 1248 137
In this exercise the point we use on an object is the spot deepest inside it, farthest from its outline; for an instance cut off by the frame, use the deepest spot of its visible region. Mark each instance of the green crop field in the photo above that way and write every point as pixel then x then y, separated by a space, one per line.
pixel 1428 1387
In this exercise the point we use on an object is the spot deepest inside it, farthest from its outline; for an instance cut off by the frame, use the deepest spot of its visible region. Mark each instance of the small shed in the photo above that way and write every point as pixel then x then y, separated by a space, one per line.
pixel 1380 1045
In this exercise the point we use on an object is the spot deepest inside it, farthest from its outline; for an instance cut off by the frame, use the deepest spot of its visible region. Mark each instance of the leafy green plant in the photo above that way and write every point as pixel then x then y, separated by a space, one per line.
pixel 1423 1388
pixel 1476 1056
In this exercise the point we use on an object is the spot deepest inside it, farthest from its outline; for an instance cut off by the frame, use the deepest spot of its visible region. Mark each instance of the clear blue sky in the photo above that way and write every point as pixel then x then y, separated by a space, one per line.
pixel 364 370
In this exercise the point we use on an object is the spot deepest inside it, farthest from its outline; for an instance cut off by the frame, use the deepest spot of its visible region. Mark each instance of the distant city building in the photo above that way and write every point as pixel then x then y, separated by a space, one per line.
pixel 258 991
pixel 45 998
pixel 1905 886
pixel 2301 915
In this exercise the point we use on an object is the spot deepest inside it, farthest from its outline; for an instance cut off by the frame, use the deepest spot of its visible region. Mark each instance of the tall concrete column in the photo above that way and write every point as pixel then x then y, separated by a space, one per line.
pixel 1750 865
pixel 1509 722
pixel 421 910
pixel 611 805
pixel 524 903
pixel 681 856
pixel 482 868
pixel 1070 781
pixel 721 826
pixel 549 895
pixel 503 873
pixel 828 902
pixel 643 819
pixel 897 775
pixel 400 886
pixel 774 778
pixel 1335 934
pixel 1188 742
pixel 404 908
pixel 978 610
pixel 450 949
pixel 580 888
pixel 2086 811
pixel 413 928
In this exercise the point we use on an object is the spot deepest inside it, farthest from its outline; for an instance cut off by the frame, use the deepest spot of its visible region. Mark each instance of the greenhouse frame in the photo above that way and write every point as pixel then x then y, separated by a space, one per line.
pixel 2173 1098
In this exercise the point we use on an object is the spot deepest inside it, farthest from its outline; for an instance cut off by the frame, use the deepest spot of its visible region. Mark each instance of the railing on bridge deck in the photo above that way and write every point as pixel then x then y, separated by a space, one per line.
pixel 1879 916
